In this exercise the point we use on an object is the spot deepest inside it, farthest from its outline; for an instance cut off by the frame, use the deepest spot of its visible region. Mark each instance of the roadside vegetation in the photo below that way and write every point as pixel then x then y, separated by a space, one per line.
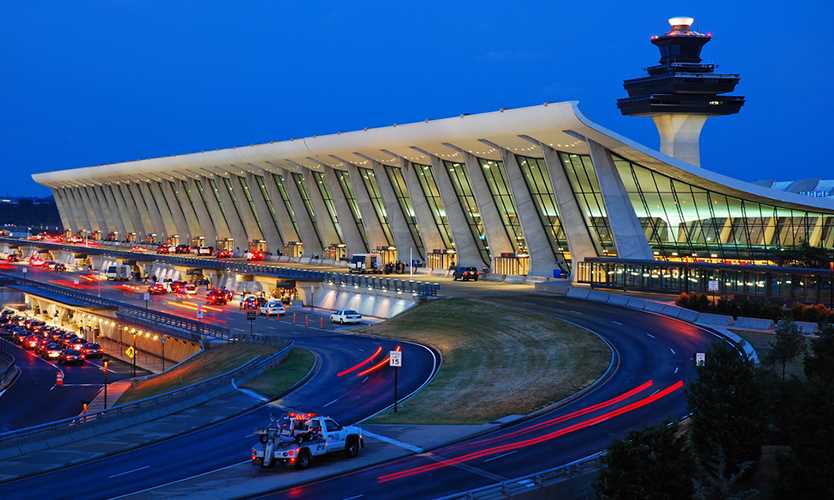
pixel 500 358
pixel 209 363
pixel 276 381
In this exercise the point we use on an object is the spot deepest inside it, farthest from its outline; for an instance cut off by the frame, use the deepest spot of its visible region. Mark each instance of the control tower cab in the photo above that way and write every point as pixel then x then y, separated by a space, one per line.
pixel 681 92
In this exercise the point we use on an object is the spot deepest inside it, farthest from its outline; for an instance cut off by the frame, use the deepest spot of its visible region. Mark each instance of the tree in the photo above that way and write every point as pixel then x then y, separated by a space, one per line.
pixel 655 463
pixel 728 405
pixel 819 362
pixel 789 344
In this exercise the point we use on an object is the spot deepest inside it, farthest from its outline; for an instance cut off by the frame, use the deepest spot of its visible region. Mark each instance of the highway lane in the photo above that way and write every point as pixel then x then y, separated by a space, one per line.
pixel 347 398
pixel 34 398
pixel 650 348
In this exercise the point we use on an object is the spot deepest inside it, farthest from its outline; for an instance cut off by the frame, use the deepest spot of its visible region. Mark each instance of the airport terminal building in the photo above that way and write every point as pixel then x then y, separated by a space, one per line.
pixel 524 191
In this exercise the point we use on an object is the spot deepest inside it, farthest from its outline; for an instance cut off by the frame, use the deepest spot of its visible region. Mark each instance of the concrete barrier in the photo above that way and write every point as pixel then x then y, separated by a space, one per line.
pixel 714 319
pixel 687 315
pixel 753 323
pixel 597 296
pixel 636 303
pixel 579 293
pixel 657 307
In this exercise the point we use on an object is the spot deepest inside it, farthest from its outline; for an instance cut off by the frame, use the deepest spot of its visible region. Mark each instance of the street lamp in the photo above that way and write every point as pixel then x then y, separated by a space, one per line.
pixel 106 364
pixel 134 355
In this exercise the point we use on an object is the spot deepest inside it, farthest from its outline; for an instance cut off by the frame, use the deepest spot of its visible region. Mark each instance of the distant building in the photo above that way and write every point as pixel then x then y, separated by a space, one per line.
pixel 816 188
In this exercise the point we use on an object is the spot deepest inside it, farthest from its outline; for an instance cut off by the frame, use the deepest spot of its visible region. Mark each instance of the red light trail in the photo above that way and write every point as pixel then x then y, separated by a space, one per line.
pixel 361 363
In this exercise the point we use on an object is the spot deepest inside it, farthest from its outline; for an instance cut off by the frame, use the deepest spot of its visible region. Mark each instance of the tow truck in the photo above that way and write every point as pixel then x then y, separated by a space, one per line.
pixel 297 438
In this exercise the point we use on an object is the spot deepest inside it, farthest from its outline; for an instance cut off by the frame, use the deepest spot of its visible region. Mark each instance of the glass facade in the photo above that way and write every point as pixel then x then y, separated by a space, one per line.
pixel 328 203
pixel 395 176
pixel 215 193
pixel 680 219
pixel 502 195
pixel 537 179
pixel 308 203
pixel 585 186
pixel 428 185
pixel 347 192
pixel 279 183
pixel 250 202
pixel 165 202
pixel 371 186
pixel 463 190
pixel 227 183
pixel 265 194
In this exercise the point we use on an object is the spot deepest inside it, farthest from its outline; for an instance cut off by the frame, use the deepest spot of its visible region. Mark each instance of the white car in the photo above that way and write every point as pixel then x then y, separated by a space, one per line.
pixel 191 289
pixel 346 316
pixel 273 308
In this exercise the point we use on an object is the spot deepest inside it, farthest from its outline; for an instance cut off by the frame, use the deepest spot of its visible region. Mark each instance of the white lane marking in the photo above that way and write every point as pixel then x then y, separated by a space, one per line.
pixel 365 379
pixel 500 456
pixel 650 335
pixel 676 369
pixel 386 439
pixel 130 471
pixel 249 392
pixel 330 403
pixel 182 480
pixel 616 323
pixel 672 351
pixel 354 497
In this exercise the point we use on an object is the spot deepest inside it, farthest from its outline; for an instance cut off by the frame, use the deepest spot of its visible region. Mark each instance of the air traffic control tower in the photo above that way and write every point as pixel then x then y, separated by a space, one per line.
pixel 681 92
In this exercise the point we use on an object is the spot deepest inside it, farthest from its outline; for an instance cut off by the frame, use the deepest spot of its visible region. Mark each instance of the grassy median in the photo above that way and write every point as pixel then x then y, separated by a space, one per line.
pixel 276 381
pixel 209 363
pixel 500 357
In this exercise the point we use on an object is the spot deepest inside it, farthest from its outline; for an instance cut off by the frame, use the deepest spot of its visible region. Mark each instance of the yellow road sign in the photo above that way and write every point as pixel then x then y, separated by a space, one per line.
pixel 130 352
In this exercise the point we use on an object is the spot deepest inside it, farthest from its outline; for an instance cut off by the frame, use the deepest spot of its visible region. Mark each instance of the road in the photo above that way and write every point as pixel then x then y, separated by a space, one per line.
pixel 654 363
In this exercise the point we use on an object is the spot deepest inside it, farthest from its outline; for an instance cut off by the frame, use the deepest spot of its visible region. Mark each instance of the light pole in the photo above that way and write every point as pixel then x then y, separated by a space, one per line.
pixel 106 364
pixel 134 355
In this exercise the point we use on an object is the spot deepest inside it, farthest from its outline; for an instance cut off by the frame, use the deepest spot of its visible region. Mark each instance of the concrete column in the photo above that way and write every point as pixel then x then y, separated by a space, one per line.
pixel 542 258
pixel 63 209
pixel 213 208
pixel 99 218
pixel 134 194
pixel 350 231
pixel 468 253
pixel 373 227
pixel 164 210
pixel 227 204
pixel 154 211
pixel 247 217
pixel 87 207
pixel 81 213
pixel 309 236
pixel 111 216
pixel 425 218
pixel 111 209
pixel 207 226
pixel 125 212
pixel 680 135
pixel 579 240
pixel 326 228
pixel 499 241
pixel 285 225
pixel 629 237
pixel 399 227
pixel 175 209
pixel 269 226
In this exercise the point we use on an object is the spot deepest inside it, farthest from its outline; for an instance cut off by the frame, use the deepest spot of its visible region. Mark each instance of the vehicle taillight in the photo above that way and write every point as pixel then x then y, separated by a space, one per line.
pixel 254 454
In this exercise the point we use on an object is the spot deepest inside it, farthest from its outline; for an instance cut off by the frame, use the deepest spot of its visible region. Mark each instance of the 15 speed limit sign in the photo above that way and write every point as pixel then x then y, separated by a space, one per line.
pixel 396 359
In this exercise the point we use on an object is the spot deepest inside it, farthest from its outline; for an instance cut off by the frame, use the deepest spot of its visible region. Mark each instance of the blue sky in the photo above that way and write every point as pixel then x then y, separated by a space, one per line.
pixel 93 82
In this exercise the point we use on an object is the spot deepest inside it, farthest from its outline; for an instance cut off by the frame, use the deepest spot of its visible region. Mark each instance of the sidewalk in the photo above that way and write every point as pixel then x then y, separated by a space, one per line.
pixel 114 392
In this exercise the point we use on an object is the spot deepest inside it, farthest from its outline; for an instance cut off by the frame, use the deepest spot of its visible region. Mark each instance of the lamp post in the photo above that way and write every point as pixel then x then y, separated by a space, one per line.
pixel 134 355
pixel 106 364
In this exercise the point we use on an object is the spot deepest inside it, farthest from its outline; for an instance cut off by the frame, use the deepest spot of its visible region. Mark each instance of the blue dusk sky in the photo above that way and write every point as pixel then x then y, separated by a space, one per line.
pixel 91 82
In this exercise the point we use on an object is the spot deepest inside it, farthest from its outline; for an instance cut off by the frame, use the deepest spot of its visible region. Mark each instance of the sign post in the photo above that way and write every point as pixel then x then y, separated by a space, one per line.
pixel 147 297
pixel 105 369
pixel 396 362
pixel 200 311
pixel 713 288
pixel 251 316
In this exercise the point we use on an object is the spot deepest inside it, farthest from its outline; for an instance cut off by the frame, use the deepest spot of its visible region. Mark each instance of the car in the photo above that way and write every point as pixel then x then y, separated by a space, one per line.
pixel 57 266
pixel 204 251
pixel 273 307
pixel 137 248
pixel 18 335
pixel 53 351
pixel 190 289
pixel 72 356
pixel 223 254
pixel 182 248
pixel 165 248
pixel 31 342
pixel 254 255
pixel 12 258
pixel 36 261
pixel 157 289
pixel 251 303
pixel 92 350
pixel 217 297
pixel 177 286
pixel 77 344
pixel 345 316
pixel 463 273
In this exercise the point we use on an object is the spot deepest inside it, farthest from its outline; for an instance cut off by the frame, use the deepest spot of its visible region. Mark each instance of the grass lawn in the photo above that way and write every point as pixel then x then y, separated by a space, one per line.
pixel 500 357
pixel 761 342
pixel 207 364
pixel 277 380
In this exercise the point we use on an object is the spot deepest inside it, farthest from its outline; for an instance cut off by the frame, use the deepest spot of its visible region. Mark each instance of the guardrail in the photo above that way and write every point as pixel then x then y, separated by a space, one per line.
pixel 188 329
pixel 76 423
pixel 531 482
pixel 419 288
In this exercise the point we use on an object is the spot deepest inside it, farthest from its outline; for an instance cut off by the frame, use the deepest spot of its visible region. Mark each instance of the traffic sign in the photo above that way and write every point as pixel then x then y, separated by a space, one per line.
pixel 700 359
pixel 130 352
pixel 146 296
pixel 396 359
pixel 199 311
pixel 712 285
pixel 251 315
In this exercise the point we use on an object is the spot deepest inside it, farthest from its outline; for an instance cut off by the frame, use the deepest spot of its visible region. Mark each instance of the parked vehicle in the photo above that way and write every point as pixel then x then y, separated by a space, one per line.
pixel 297 439
pixel 345 316
pixel 119 272
pixel 465 274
